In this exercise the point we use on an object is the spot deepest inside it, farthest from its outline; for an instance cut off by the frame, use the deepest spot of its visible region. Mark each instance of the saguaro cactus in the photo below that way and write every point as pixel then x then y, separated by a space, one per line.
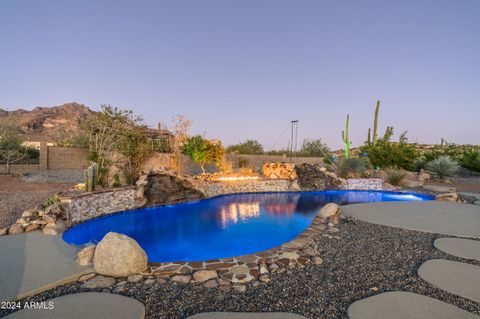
pixel 91 174
pixel 345 138
pixel 375 123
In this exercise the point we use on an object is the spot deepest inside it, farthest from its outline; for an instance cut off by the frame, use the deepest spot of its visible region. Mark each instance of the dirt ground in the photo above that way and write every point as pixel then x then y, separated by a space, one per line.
pixel 471 185
pixel 17 196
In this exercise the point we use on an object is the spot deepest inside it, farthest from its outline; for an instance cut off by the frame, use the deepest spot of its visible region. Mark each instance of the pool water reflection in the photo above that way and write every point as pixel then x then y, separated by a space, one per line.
pixel 224 226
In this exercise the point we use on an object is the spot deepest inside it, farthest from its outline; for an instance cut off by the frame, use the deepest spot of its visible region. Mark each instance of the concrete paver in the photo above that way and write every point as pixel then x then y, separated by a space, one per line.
pixel 429 216
pixel 455 277
pixel 86 305
pixel 460 247
pixel 405 305
pixel 33 262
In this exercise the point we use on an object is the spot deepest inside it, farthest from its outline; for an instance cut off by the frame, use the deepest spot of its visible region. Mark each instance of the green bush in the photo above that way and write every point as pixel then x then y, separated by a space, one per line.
pixel 385 154
pixel 470 159
pixel 442 167
pixel 51 201
pixel 395 176
pixel 352 167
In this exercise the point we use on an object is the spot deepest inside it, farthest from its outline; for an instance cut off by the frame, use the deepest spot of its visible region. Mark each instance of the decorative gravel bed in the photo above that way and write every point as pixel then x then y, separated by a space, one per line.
pixel 71 176
pixel 359 261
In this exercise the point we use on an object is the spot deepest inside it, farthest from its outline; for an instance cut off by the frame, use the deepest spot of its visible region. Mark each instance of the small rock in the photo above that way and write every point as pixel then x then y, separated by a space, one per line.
pixel 240 288
pixel 204 275
pixel 54 229
pixel 264 279
pixel 329 210
pixel 263 269
pixel 85 256
pixel 3 231
pixel 317 260
pixel 134 278
pixel 224 289
pixel 119 289
pixel 374 289
pixel 183 279
pixel 333 230
pixel 87 277
pixel 281 270
pixel 310 251
pixel 32 227
pixel 149 281
pixel 223 282
pixel 273 267
pixel 21 221
pixel 161 281
pixel 49 219
pixel 99 282
pixel 15 229
pixel 28 213
pixel 212 283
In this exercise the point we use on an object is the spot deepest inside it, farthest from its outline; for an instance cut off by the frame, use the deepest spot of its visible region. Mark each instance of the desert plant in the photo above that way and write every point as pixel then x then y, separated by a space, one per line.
pixel 91 177
pixel 345 138
pixel 52 200
pixel 116 181
pixel 202 151
pixel 375 126
pixel 247 147
pixel 396 176
pixel 470 159
pixel 352 167
pixel 314 148
pixel 386 153
pixel 11 149
pixel 442 167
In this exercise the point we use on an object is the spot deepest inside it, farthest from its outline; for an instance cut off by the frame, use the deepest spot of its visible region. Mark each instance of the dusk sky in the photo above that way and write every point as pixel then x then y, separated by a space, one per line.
pixel 243 69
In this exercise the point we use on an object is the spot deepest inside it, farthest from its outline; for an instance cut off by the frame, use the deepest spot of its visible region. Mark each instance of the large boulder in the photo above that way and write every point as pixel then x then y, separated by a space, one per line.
pixel 118 255
pixel 329 210
pixel 279 170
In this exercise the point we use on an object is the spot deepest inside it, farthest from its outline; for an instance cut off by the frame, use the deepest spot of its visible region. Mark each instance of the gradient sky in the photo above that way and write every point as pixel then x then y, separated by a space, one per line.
pixel 243 69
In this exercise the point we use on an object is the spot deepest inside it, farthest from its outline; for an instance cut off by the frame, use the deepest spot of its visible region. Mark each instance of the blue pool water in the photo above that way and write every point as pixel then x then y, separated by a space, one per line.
pixel 224 226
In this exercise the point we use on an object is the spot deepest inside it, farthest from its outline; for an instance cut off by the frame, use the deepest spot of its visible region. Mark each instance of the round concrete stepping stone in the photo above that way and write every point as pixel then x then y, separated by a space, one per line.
pixel 405 305
pixel 462 220
pixel 246 315
pixel 457 278
pixel 465 248
pixel 86 305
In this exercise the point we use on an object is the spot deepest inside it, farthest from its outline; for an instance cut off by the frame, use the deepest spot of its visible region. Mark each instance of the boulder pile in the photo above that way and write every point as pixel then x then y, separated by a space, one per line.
pixel 279 170
pixel 52 220
pixel 316 177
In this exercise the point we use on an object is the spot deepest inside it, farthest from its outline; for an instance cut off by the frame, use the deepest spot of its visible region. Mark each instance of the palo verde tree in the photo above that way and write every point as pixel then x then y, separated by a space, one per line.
pixel 314 148
pixel 202 151
pixel 11 149
pixel 113 136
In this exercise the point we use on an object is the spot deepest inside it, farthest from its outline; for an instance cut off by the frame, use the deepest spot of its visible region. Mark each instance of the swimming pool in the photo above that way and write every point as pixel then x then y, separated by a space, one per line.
pixel 223 226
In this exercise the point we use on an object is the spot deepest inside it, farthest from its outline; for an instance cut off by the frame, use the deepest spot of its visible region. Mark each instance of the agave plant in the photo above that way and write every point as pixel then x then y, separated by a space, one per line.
pixel 442 167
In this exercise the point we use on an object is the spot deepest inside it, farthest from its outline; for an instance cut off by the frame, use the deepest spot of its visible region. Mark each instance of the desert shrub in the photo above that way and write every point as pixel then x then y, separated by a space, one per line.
pixel 202 151
pixel 470 159
pixel 51 201
pixel 384 153
pixel 247 147
pixel 116 181
pixel 314 148
pixel 395 176
pixel 442 167
pixel 352 167
pixel 243 162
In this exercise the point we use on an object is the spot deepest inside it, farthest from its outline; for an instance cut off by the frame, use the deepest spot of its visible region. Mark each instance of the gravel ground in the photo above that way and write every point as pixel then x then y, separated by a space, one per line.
pixel 16 196
pixel 366 260
pixel 73 176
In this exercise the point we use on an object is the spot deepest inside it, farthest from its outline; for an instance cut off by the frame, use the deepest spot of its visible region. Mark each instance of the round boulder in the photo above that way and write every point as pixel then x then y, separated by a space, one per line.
pixel 118 255
pixel 329 210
